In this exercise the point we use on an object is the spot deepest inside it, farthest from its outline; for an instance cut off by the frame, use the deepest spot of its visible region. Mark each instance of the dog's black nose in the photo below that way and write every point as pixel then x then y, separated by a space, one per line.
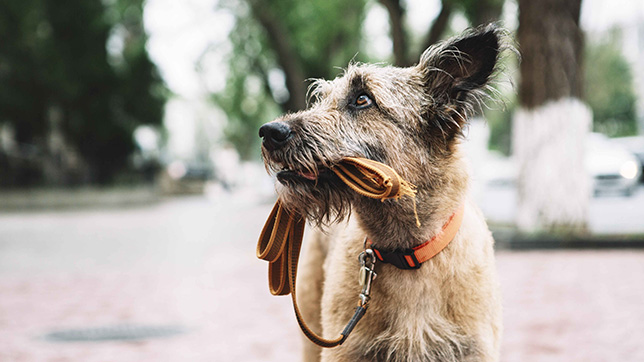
pixel 275 134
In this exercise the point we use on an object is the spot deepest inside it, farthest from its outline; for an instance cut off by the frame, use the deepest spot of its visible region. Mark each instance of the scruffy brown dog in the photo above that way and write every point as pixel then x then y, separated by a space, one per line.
pixel 410 119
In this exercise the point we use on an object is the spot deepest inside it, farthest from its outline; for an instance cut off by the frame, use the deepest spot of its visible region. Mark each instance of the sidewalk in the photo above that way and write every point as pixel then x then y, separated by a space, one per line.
pixel 189 262
pixel 86 197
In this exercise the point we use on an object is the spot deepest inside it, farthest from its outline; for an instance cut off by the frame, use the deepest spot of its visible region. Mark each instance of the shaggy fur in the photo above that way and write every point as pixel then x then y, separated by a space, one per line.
pixel 449 309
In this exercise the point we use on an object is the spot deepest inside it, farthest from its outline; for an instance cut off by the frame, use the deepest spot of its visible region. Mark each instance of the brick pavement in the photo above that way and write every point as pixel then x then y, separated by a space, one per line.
pixel 197 269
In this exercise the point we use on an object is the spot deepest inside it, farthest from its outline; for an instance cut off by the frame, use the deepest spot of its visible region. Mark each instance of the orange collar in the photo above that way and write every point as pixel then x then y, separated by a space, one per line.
pixel 414 257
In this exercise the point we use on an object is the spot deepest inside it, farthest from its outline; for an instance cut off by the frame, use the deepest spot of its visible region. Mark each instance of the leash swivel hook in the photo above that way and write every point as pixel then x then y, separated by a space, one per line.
pixel 367 274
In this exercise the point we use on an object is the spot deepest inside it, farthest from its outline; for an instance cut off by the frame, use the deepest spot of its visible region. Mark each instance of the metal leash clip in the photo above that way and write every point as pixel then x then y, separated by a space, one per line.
pixel 367 274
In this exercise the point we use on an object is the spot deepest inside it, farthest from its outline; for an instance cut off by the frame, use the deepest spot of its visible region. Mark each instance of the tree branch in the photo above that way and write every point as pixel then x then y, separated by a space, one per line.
pixel 287 58
pixel 398 36
pixel 438 26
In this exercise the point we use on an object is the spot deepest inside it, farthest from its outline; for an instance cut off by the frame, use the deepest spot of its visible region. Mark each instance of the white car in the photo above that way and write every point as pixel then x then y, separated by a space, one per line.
pixel 635 145
pixel 613 168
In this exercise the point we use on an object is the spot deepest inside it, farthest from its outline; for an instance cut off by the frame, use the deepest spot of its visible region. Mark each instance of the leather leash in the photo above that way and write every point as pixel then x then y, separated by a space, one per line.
pixel 281 238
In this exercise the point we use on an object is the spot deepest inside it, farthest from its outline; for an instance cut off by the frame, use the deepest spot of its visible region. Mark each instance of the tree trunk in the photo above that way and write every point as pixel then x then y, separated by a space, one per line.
pixel 398 34
pixel 286 56
pixel 484 11
pixel 551 45
pixel 551 125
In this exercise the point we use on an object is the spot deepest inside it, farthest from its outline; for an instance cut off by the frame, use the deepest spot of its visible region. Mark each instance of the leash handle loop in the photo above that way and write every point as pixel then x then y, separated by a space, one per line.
pixel 372 179
pixel 279 244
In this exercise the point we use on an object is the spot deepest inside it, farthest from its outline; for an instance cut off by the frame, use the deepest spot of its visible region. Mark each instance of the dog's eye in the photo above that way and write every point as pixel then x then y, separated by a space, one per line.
pixel 363 101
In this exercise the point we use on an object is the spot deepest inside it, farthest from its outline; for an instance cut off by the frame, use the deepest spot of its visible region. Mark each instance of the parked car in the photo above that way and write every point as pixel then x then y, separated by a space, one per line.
pixel 614 169
pixel 635 145
pixel 186 178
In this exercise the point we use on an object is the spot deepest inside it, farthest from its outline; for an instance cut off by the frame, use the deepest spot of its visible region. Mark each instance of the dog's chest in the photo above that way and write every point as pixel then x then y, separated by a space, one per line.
pixel 406 314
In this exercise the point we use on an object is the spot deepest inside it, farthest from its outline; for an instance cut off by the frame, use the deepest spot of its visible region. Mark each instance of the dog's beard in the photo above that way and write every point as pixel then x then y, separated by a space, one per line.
pixel 306 184
pixel 323 200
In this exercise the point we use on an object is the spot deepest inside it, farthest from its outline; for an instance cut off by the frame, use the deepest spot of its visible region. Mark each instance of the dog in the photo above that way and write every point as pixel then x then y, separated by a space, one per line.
pixel 411 119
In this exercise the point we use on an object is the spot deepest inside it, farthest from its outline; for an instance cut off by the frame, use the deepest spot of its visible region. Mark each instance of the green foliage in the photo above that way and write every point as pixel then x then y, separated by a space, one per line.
pixel 316 38
pixel 246 99
pixel 504 103
pixel 326 34
pixel 609 91
pixel 323 35
pixel 247 105
pixel 54 56
pixel 500 123
pixel 479 12
pixel 23 35
pixel 609 88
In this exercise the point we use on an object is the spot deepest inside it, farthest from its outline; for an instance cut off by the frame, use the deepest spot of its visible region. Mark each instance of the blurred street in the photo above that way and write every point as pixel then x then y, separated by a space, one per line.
pixel 191 262
pixel 608 214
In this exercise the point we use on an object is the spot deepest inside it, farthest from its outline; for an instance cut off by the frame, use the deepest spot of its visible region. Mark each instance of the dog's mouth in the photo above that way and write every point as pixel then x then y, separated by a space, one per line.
pixel 287 175
pixel 312 188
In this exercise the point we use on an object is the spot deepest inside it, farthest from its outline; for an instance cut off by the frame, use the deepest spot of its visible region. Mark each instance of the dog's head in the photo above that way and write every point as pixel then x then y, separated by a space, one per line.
pixel 408 118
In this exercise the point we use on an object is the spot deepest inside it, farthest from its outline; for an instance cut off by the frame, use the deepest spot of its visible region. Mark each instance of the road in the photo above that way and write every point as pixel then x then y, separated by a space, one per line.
pixel 190 262
pixel 607 214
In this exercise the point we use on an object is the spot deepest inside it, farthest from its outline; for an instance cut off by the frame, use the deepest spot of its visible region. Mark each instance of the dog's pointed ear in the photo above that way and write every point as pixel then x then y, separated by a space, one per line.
pixel 452 70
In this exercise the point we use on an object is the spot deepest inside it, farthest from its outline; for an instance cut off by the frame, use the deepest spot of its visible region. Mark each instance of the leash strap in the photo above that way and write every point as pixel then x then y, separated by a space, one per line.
pixel 279 244
pixel 372 179
pixel 281 238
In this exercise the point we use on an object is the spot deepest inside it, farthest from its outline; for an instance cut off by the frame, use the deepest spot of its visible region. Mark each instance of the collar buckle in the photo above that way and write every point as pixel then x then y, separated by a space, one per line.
pixel 400 258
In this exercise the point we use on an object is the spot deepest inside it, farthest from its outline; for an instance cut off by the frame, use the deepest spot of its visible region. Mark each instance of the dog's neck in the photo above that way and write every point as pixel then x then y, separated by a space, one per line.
pixel 392 224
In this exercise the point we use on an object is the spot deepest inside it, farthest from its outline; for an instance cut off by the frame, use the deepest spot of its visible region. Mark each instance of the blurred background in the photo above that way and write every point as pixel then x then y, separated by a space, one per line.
pixel 132 190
